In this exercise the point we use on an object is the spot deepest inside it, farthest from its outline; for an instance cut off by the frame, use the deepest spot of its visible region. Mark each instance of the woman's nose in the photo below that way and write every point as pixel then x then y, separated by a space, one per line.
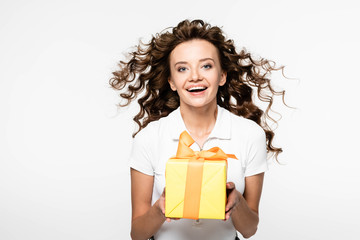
pixel 195 75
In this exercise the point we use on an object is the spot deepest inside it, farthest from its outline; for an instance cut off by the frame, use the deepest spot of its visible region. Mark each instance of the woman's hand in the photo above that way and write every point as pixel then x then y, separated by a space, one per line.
pixel 161 204
pixel 233 199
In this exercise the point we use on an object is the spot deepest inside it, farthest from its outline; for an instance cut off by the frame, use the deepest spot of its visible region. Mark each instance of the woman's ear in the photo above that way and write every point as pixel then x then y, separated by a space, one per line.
pixel 172 85
pixel 223 78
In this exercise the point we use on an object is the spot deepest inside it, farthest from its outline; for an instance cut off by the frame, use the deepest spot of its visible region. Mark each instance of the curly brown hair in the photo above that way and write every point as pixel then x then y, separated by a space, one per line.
pixel 149 68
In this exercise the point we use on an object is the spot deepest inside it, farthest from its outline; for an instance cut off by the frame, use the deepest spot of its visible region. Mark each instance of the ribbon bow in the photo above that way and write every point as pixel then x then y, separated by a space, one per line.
pixel 195 171
pixel 184 150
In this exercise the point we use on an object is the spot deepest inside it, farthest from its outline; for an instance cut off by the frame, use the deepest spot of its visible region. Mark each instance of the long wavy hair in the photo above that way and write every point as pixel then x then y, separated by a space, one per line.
pixel 149 69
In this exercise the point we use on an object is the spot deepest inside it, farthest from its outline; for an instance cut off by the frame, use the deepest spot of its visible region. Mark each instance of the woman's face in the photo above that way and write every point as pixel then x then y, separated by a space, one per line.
pixel 195 73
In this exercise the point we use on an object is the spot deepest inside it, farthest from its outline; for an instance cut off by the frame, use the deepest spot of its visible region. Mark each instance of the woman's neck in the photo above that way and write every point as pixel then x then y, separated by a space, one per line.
pixel 199 121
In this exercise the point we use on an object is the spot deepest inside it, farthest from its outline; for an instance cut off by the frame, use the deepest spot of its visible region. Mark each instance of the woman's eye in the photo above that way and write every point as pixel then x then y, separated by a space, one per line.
pixel 181 69
pixel 207 66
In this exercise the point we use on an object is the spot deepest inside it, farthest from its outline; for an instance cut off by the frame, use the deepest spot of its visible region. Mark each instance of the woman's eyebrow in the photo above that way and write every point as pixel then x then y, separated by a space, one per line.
pixel 205 59
pixel 201 60
pixel 181 62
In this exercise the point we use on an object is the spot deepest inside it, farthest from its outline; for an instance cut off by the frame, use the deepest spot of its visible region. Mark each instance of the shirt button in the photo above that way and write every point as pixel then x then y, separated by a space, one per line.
pixel 197 222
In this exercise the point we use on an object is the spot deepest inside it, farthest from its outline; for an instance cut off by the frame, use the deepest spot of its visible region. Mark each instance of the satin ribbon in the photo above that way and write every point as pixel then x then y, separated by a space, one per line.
pixel 195 171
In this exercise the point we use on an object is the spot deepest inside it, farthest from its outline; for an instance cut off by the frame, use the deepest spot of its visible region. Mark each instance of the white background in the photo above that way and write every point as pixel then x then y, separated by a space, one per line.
pixel 64 146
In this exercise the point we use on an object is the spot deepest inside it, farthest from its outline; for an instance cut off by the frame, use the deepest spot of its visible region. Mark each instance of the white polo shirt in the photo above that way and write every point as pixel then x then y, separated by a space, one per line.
pixel 158 141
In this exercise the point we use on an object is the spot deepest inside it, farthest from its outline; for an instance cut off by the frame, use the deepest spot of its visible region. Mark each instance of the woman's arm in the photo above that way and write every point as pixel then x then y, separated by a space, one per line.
pixel 244 208
pixel 146 219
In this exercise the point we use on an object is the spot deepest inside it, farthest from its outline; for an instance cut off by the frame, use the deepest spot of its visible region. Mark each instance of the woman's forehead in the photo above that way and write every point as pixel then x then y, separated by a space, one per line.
pixel 196 49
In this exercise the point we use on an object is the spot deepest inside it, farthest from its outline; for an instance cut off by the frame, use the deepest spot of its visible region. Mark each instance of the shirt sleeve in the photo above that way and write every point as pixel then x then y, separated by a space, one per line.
pixel 140 156
pixel 256 161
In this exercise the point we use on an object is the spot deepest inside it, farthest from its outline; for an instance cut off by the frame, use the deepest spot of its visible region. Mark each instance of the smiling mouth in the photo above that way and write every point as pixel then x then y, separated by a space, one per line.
pixel 196 89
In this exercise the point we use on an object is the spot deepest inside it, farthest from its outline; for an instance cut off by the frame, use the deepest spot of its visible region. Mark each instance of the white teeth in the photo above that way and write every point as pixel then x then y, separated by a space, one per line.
pixel 196 88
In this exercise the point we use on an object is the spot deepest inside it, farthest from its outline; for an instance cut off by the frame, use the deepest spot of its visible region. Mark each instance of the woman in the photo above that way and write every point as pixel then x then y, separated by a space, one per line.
pixel 193 79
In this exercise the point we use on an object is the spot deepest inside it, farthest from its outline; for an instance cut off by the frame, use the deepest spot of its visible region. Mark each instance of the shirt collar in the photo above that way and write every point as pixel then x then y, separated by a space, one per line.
pixel 222 128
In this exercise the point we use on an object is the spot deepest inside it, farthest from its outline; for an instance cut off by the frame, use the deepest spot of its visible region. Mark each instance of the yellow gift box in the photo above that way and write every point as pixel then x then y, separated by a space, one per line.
pixel 196 182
